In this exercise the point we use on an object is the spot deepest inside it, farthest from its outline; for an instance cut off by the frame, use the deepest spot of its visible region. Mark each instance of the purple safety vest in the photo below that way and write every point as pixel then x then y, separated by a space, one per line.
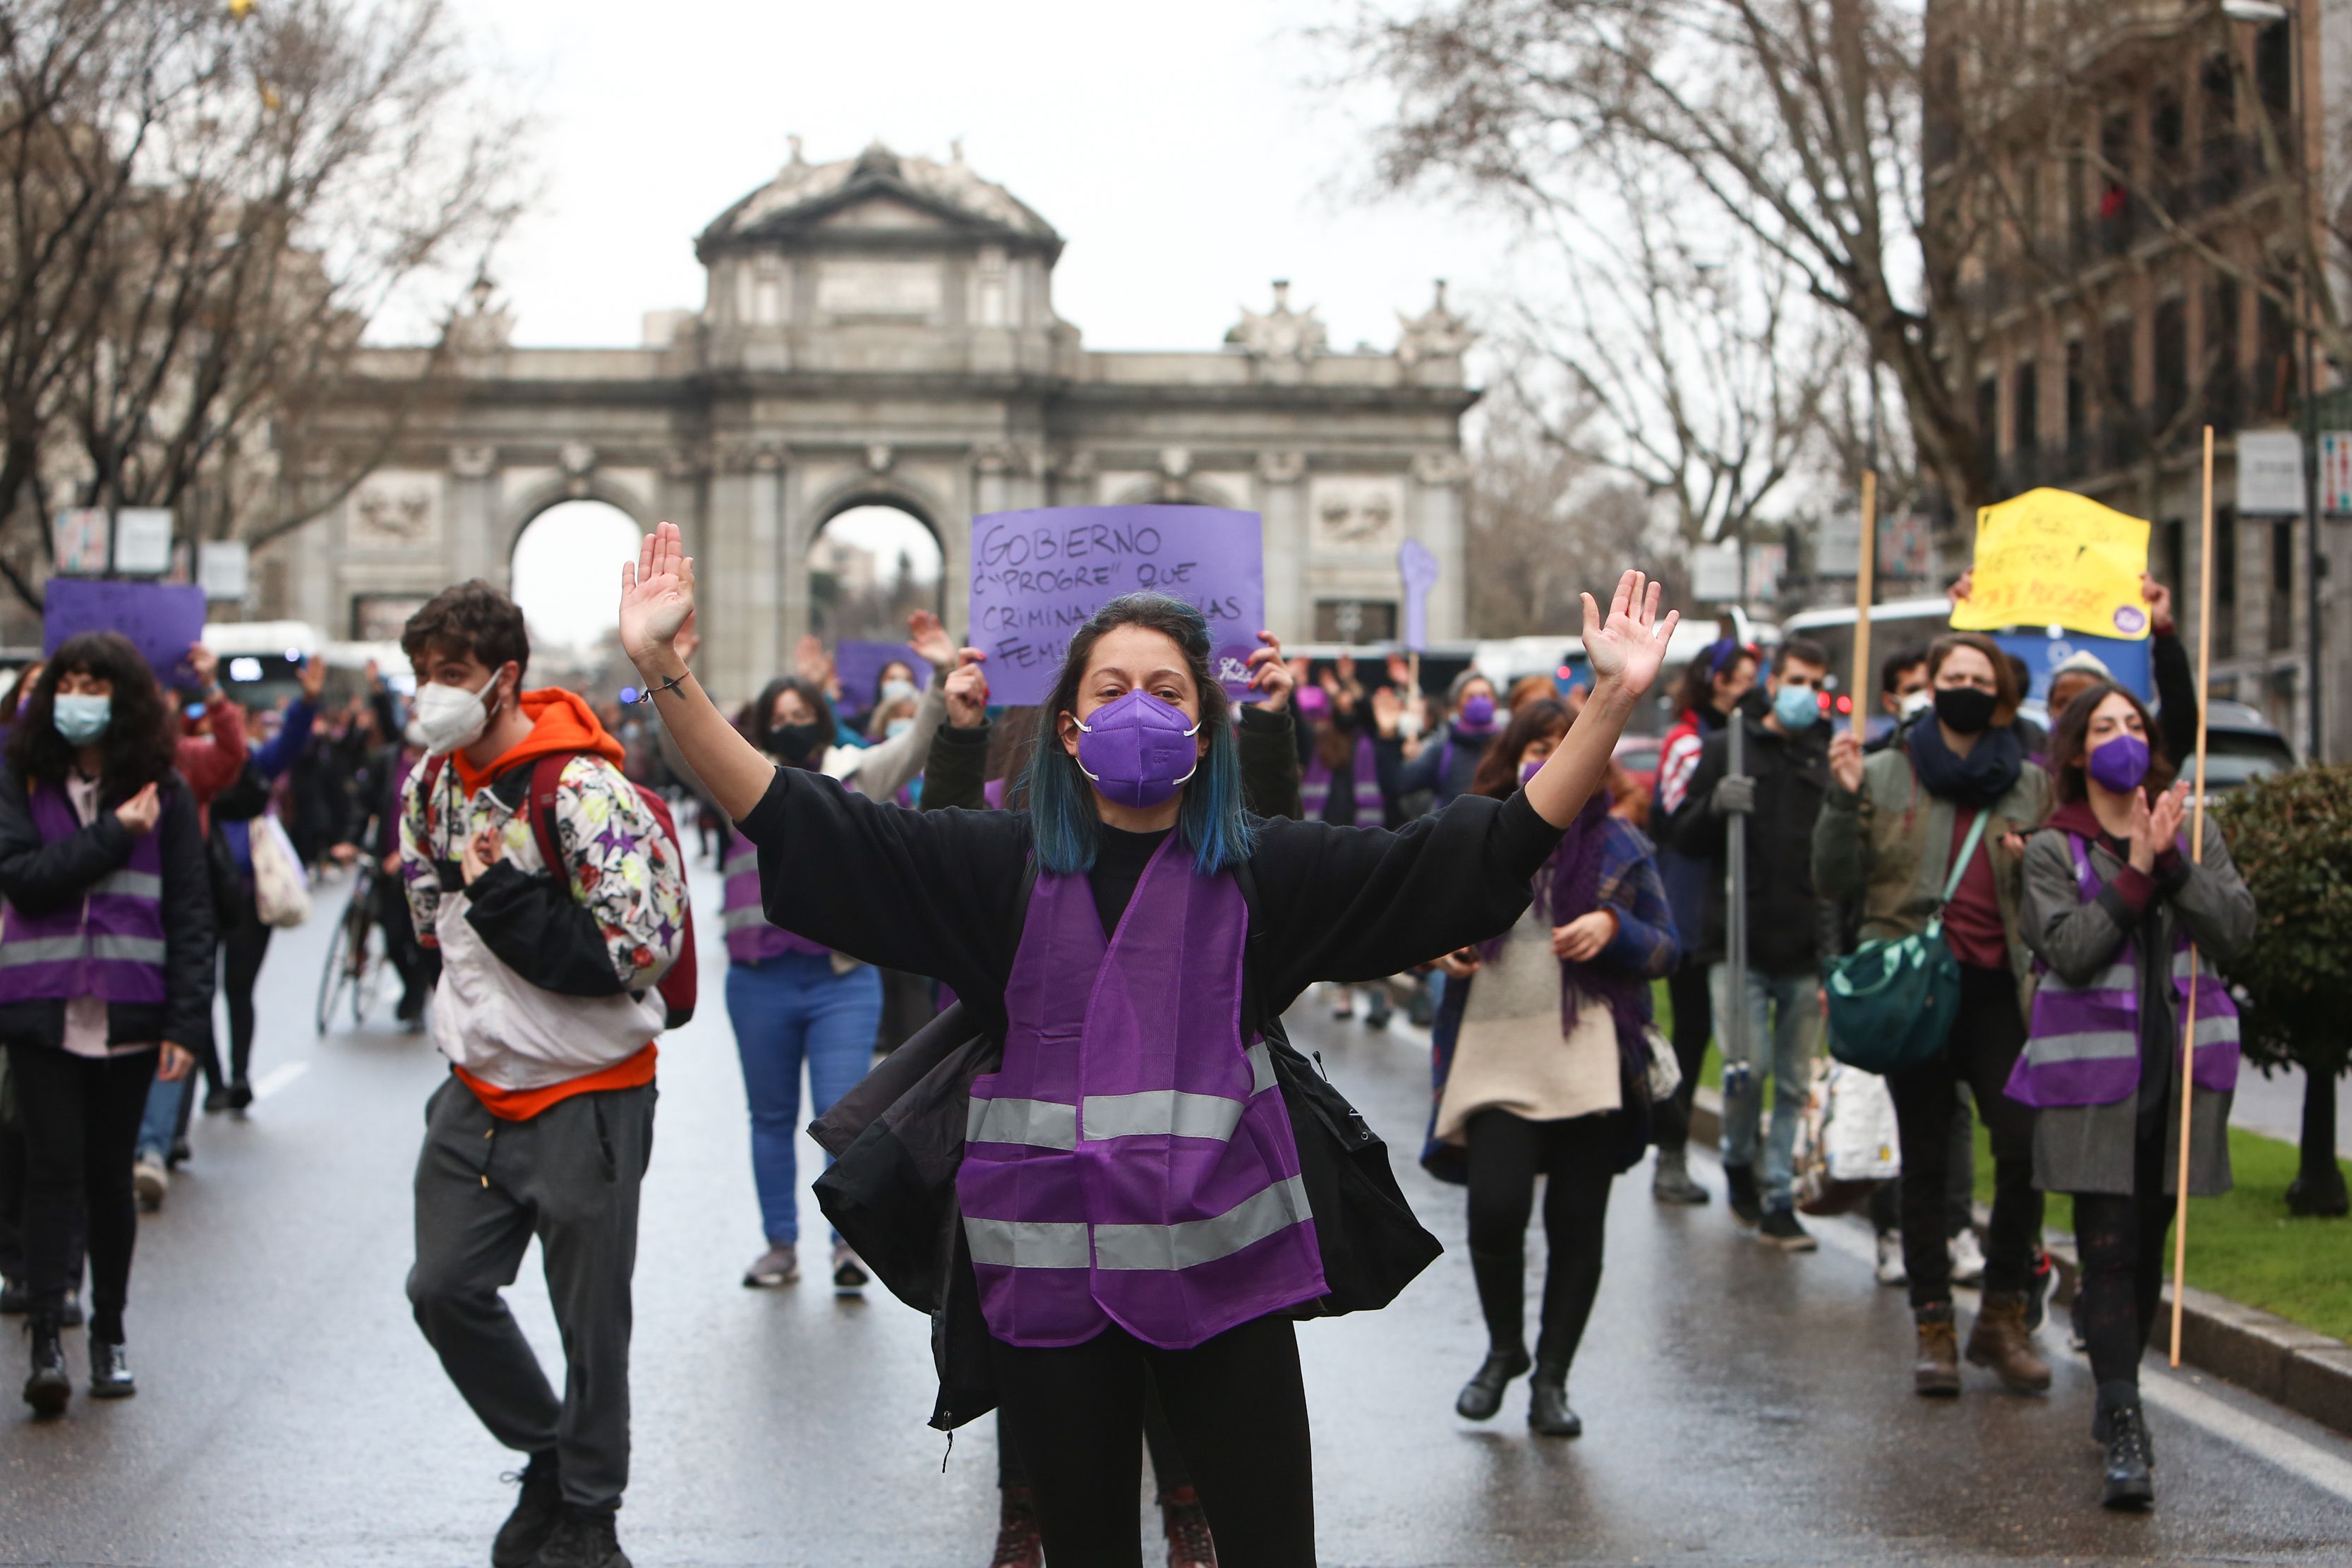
pixel 1133 1163
pixel 2082 1045
pixel 110 945
pixel 749 938
pixel 1315 787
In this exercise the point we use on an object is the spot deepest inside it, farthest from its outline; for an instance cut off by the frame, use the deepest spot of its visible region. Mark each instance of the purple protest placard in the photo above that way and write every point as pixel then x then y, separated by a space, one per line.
pixel 160 619
pixel 858 666
pixel 1036 575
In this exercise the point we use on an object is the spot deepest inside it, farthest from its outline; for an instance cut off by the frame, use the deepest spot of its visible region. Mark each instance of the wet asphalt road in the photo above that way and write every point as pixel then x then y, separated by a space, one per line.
pixel 1741 1406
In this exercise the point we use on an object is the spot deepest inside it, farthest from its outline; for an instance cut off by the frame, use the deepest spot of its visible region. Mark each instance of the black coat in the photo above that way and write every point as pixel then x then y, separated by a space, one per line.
pixel 1786 922
pixel 39 877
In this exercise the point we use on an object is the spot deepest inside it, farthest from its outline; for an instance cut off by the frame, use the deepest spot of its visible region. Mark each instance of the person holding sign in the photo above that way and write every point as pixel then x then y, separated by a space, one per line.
pixel 1134 1192
pixel 106 951
pixel 2111 906
pixel 1926 831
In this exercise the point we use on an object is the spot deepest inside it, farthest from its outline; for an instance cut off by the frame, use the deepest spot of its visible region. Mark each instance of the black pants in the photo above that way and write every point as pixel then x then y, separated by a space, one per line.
pixel 1236 1406
pixel 1959 1182
pixel 1169 1471
pixel 1987 1034
pixel 81 1127
pixel 1694 1006
pixel 1578 1157
pixel 16 1186
pixel 2121 1238
pixel 243 945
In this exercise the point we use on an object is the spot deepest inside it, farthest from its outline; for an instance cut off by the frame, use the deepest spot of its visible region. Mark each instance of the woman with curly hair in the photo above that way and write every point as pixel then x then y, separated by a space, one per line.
pixel 105 972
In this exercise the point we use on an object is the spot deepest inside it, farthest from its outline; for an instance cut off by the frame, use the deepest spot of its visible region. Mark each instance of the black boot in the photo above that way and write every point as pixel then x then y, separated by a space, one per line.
pixel 1548 1412
pixel 2130 1481
pixel 110 1371
pixel 48 1389
pixel 1746 1198
pixel 1483 1395
pixel 535 1515
pixel 583 1537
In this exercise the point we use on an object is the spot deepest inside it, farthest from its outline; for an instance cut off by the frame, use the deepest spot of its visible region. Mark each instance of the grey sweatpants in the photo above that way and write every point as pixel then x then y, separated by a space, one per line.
pixel 484 1188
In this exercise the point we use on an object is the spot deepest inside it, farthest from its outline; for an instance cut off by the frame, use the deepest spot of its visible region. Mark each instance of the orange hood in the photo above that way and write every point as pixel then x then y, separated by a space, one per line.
pixel 561 722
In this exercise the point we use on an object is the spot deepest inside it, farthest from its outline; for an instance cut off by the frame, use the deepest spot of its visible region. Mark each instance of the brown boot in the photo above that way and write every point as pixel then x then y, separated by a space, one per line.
pixel 1999 1341
pixel 1937 1372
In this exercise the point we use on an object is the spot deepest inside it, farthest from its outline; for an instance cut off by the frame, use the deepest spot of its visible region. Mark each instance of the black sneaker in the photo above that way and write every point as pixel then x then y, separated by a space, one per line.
pixel 535 1513
pixel 1782 1229
pixel 583 1537
pixel 1747 1200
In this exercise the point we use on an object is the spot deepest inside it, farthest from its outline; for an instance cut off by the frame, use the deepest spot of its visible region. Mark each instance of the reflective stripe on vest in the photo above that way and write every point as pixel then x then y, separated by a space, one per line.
pixel 743 915
pixel 108 944
pixel 2083 1044
pixel 1315 786
pixel 1133 1163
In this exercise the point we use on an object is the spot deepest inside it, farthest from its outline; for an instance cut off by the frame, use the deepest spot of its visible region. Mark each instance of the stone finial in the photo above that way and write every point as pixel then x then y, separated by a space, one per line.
pixel 1437 333
pixel 794 144
pixel 1281 333
pixel 879 160
pixel 481 327
pixel 955 150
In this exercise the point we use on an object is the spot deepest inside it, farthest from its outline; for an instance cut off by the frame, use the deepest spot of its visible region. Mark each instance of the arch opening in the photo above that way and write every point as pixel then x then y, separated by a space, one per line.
pixel 870 565
pixel 565 574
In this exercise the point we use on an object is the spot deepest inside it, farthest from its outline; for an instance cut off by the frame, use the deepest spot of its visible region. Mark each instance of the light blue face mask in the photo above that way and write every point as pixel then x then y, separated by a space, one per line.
pixel 82 720
pixel 897 727
pixel 1796 707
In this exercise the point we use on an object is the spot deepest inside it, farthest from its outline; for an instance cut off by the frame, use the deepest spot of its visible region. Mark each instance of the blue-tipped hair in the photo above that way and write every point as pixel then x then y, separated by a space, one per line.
pixel 1062 810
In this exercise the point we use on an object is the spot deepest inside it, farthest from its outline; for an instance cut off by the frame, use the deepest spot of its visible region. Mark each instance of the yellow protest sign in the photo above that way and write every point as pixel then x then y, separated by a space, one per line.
pixel 2053 558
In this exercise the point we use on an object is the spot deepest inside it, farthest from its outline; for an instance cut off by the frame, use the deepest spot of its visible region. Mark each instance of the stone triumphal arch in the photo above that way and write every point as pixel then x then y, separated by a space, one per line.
pixel 881 330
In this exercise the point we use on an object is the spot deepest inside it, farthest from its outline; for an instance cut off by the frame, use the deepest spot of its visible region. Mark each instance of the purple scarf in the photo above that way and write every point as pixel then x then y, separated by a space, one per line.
pixel 1568 886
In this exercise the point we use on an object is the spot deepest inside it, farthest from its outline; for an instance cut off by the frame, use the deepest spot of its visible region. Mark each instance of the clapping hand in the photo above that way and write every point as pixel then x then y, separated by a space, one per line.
pixel 141 812
pixel 2165 816
pixel 1387 709
pixel 1627 648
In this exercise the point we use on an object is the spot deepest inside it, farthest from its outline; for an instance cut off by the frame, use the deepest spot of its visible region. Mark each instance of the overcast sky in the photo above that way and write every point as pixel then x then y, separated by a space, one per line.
pixel 1182 152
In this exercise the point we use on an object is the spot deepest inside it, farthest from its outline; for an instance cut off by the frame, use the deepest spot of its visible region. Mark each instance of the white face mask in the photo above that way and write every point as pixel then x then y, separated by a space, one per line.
pixel 897 727
pixel 1409 722
pixel 450 718
pixel 1912 706
pixel 893 690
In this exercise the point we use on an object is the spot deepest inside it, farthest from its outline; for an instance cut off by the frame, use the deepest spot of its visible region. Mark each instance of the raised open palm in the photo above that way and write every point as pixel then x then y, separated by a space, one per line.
pixel 656 595
pixel 1627 648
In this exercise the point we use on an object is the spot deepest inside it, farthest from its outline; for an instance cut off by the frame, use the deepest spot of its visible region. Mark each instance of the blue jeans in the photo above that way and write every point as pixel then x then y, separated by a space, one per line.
pixel 161 1123
pixel 1784 1034
pixel 786 1010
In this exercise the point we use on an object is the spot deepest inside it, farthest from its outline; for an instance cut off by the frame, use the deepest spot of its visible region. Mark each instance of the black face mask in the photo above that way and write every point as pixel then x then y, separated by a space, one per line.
pixel 1965 709
pixel 797 742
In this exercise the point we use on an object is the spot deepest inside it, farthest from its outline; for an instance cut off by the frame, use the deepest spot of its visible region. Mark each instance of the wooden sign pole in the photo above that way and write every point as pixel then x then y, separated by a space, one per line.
pixel 2196 853
pixel 1866 582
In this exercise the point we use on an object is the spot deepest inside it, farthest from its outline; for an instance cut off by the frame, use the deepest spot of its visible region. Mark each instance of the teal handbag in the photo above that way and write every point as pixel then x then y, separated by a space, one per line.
pixel 1891 1003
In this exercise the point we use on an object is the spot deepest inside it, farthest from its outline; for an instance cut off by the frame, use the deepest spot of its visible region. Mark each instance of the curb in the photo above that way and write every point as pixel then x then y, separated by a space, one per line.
pixel 2301 1369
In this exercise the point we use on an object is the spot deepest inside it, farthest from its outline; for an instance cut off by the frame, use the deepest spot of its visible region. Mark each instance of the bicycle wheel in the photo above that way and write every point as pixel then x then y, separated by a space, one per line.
pixel 339 971
pixel 370 964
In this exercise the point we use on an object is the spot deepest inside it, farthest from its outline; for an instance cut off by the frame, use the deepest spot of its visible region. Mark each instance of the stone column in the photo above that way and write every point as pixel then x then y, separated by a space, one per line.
pixel 724 563
pixel 473 512
pixel 1282 508
pixel 763 565
pixel 1437 514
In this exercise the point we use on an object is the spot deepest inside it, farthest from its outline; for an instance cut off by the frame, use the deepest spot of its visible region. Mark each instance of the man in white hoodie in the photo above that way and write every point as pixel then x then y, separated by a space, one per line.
pixel 547 1010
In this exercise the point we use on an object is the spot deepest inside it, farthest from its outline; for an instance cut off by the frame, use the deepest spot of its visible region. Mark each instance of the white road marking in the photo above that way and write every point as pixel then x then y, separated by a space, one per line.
pixel 282 1075
pixel 2173 1392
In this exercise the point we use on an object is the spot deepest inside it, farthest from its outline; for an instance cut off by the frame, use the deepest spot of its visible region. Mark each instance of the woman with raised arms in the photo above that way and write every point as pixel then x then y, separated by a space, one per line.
pixel 1130 1190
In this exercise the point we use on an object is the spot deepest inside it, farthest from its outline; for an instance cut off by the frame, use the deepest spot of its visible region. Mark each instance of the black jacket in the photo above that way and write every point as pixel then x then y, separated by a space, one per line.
pixel 39 877
pixel 1785 921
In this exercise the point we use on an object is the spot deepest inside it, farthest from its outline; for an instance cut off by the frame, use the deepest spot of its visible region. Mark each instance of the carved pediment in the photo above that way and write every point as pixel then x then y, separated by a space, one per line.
pixel 881 212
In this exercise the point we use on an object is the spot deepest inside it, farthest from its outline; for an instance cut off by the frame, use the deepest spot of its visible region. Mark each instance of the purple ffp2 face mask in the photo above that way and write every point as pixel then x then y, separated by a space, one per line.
pixel 1137 750
pixel 2119 764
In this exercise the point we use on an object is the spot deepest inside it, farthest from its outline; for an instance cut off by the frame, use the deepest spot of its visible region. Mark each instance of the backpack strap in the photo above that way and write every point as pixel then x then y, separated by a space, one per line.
pixel 1960 861
pixel 539 805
